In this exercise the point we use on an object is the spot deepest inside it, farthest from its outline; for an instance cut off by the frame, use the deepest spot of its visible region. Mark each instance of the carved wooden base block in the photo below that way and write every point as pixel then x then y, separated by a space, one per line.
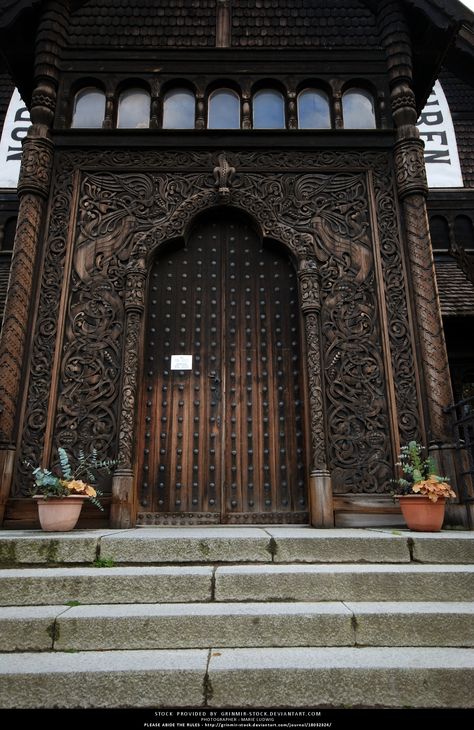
pixel 321 499
pixel 122 500
pixel 7 459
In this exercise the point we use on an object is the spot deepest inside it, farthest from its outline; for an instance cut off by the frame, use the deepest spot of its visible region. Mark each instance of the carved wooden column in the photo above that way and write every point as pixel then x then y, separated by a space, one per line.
pixel 337 101
pixel 156 115
pixel 246 109
pixel 200 110
pixel 33 191
pixel 320 487
pixel 292 114
pixel 108 122
pixel 412 191
pixel 123 492
pixel 410 172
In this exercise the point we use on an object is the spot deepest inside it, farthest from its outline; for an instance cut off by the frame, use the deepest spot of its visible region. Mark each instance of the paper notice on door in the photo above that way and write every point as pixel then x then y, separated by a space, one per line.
pixel 181 362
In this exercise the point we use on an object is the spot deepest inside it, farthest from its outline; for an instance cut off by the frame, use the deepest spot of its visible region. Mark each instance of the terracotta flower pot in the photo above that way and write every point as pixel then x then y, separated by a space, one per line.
pixel 421 514
pixel 61 514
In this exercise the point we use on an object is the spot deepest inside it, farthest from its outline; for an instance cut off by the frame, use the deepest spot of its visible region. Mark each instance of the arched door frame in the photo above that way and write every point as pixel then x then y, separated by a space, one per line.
pixel 301 248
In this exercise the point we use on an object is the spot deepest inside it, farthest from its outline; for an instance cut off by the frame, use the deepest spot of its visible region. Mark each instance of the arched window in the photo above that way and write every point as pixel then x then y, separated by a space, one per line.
pixel 358 109
pixel 463 232
pixel 89 109
pixel 9 229
pixel 224 110
pixel 134 109
pixel 179 109
pixel 439 230
pixel 268 110
pixel 313 110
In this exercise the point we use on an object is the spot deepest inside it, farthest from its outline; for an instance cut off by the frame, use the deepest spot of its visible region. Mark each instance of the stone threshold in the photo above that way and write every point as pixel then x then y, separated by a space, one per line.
pixel 222 544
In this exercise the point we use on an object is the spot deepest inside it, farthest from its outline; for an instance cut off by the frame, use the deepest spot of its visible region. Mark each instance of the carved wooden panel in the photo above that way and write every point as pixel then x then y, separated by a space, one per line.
pixel 226 435
pixel 317 205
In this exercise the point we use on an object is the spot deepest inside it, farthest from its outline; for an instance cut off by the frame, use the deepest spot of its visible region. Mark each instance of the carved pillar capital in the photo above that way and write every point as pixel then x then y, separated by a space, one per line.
pixel 309 286
pixel 43 103
pixel 404 109
pixel 35 172
pixel 135 282
pixel 410 168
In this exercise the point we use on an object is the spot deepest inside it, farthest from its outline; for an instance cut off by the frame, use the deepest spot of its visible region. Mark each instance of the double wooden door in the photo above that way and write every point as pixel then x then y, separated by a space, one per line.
pixel 222 436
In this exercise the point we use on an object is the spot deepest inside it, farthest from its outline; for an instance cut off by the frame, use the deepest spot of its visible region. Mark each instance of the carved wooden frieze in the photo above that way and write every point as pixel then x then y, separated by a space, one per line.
pixel 318 205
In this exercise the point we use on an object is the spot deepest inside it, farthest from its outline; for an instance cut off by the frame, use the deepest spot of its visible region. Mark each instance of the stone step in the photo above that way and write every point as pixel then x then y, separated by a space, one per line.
pixel 344 583
pixel 168 584
pixel 46 586
pixel 399 677
pixel 202 625
pixel 234 545
pixel 255 545
pixel 278 677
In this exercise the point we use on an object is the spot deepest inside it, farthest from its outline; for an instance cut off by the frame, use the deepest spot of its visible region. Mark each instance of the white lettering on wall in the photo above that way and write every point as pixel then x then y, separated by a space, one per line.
pixel 14 132
pixel 441 151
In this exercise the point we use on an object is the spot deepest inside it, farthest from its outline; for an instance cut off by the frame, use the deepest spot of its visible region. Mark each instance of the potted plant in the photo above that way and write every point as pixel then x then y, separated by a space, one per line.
pixel 422 493
pixel 60 496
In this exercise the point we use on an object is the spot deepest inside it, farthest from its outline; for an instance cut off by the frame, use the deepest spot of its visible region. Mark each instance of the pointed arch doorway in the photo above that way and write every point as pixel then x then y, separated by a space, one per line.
pixel 222 418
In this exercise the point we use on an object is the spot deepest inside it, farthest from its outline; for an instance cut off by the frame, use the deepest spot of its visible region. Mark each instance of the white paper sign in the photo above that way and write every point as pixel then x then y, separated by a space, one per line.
pixel 436 129
pixel 181 362
pixel 14 131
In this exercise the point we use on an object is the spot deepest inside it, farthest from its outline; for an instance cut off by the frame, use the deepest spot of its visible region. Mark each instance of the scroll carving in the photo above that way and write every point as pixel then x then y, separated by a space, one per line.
pixel 129 391
pixel 322 217
pixel 401 349
pixel 355 383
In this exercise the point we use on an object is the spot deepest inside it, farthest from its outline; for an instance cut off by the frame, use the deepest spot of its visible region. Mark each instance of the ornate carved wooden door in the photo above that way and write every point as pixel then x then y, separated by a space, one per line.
pixel 223 425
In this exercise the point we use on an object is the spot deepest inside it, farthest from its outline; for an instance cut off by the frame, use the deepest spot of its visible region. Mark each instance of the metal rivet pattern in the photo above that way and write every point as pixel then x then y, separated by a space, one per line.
pixel 232 426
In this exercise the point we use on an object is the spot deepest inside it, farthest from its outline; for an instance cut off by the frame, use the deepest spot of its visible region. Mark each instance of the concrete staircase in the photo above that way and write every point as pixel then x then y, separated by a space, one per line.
pixel 237 617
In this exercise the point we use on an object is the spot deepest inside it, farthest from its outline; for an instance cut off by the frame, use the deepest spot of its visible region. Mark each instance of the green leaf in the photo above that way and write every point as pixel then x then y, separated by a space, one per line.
pixel 65 465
